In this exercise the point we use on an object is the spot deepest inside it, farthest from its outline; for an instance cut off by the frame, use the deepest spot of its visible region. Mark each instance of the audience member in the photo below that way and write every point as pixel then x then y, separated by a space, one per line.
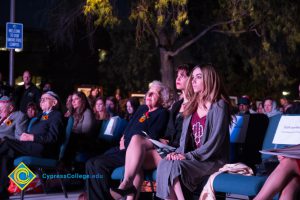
pixel 150 118
pixel 285 104
pixel 31 110
pixel 270 107
pixel 47 87
pixel 100 113
pixel 260 108
pixel 141 153
pixel 69 106
pixel 174 128
pixel 118 95
pixel 295 108
pixel 244 105
pixel 12 123
pixel 26 93
pixel 94 94
pixel 204 143
pixel 285 179
pixel 83 131
pixel 43 140
pixel 100 110
pixel 132 105
pixel 112 106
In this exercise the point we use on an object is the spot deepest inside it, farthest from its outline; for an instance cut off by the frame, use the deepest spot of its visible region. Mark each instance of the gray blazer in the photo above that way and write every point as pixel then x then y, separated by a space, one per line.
pixel 16 128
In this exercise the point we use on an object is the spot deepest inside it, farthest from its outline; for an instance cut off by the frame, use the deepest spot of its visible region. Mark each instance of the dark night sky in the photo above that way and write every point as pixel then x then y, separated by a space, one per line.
pixel 32 13
pixel 39 55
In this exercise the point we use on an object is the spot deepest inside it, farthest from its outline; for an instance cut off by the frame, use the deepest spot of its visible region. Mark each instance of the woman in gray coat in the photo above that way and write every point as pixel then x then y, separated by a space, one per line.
pixel 204 143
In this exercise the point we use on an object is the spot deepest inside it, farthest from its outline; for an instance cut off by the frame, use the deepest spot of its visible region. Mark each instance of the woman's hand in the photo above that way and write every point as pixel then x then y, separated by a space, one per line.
pixel 175 156
pixel 164 141
pixel 122 143
pixel 26 137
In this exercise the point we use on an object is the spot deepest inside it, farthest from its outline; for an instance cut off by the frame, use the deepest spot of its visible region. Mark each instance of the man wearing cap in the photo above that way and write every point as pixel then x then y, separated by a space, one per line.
pixel 12 123
pixel 42 140
pixel 244 105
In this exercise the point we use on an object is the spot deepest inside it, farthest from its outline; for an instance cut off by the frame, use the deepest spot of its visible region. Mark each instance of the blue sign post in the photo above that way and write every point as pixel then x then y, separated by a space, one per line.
pixel 14 35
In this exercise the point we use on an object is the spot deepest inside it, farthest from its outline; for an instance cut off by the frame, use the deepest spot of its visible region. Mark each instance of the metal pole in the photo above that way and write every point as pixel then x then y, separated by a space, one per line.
pixel 11 51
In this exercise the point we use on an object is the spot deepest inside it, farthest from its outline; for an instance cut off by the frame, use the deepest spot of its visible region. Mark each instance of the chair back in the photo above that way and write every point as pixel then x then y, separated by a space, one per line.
pixel 271 133
pixel 111 130
pixel 258 124
pixel 67 137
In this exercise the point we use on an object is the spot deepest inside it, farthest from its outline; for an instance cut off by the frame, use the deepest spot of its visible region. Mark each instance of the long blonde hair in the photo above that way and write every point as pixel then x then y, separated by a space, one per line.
pixel 213 90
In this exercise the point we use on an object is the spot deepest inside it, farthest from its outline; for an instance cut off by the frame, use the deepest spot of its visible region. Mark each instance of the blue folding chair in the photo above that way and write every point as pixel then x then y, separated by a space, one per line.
pixel 47 163
pixel 247 185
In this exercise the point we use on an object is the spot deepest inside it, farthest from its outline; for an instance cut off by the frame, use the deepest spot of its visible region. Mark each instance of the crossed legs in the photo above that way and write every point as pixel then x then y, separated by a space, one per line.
pixel 140 155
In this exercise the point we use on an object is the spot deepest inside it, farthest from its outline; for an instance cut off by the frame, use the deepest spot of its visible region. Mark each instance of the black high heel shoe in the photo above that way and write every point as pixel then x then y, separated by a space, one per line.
pixel 120 193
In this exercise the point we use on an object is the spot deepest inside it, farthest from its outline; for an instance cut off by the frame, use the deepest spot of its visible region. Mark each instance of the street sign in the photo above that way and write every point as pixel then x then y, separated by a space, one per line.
pixel 14 35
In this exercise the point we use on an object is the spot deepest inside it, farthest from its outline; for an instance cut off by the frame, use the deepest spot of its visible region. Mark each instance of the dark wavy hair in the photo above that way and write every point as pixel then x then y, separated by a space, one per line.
pixel 77 113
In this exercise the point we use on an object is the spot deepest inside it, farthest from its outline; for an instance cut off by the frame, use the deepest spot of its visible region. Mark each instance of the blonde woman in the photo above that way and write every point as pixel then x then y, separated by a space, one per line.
pixel 204 142
pixel 141 154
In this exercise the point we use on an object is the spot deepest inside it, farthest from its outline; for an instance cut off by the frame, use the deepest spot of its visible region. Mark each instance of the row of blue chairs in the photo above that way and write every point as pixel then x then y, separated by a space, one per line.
pixel 106 134
pixel 260 133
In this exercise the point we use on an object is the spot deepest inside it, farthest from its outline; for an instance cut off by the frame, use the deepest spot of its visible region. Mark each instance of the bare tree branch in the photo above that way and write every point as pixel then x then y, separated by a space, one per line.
pixel 201 34
pixel 153 33
pixel 238 32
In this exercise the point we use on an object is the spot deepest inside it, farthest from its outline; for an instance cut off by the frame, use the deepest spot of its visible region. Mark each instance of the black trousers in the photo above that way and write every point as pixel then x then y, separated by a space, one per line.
pixel 98 189
pixel 9 150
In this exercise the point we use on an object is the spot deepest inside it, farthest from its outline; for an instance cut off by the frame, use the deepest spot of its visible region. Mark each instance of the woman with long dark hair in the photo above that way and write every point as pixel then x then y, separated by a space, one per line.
pixel 204 142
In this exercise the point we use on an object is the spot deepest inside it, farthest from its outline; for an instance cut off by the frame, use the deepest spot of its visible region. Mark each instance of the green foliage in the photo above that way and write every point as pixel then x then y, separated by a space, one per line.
pixel 103 10
pixel 262 36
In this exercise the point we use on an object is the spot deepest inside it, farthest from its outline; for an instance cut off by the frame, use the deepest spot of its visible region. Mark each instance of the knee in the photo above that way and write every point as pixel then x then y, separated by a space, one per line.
pixel 136 140
pixel 94 163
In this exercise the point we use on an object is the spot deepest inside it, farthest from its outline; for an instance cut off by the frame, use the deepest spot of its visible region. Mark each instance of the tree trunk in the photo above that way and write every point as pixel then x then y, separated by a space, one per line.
pixel 167 68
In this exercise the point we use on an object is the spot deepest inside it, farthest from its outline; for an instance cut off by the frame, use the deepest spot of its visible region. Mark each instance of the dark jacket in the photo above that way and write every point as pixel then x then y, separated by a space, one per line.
pixel 154 126
pixel 48 132
pixel 24 96
pixel 174 128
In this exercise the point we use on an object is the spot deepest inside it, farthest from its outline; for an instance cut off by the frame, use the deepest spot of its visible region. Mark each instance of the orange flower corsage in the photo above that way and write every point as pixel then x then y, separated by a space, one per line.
pixel 144 117
pixel 8 122
pixel 45 117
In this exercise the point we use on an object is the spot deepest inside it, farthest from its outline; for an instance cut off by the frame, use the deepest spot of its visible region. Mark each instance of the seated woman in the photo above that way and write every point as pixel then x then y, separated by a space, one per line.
pixel 100 112
pixel 31 110
pixel 43 140
pixel 172 135
pixel 151 118
pixel 174 128
pixel 285 179
pixel 94 94
pixel 83 131
pixel 132 105
pixel 204 142
pixel 270 107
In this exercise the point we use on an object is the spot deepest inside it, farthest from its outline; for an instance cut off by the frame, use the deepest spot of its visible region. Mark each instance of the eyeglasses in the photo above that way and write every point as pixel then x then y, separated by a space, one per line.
pixel 46 98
